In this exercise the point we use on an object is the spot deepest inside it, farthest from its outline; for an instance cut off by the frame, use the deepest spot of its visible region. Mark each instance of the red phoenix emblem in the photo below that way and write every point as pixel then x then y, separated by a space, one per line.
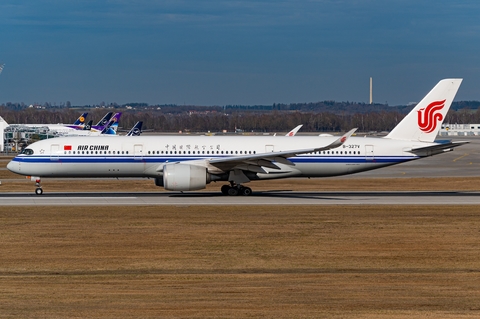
pixel 428 117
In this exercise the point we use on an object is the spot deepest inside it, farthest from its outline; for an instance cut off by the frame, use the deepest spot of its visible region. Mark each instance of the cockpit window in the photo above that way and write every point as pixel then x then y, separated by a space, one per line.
pixel 27 151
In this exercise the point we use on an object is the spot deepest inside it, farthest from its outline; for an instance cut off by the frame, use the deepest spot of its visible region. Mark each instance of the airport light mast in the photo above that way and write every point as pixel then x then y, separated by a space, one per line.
pixel 371 90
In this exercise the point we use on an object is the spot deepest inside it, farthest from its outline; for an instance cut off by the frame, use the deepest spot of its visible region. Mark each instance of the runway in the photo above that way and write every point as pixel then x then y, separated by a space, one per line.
pixel 260 198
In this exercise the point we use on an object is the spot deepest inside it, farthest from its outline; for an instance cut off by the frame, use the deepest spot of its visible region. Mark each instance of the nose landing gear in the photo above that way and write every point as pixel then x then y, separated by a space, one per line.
pixel 38 190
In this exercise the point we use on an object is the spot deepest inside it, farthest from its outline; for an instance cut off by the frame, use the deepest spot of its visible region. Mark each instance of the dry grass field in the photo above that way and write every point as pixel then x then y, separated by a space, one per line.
pixel 240 262
pixel 232 262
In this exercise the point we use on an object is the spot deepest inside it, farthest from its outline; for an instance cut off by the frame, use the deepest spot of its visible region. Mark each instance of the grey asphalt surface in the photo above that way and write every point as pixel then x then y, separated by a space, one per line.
pixel 259 198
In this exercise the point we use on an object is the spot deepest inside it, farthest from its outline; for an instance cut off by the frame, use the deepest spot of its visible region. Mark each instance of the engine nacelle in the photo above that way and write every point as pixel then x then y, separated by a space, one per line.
pixel 184 177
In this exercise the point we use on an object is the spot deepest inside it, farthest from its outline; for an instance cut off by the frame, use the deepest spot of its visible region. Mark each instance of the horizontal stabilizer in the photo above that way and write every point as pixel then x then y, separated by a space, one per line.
pixel 437 149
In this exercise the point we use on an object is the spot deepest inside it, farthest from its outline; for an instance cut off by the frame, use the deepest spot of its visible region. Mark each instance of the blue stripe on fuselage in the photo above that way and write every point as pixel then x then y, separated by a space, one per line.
pixel 163 159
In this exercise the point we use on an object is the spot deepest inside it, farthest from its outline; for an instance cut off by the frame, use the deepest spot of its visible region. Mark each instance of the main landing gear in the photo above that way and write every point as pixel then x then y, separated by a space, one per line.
pixel 235 190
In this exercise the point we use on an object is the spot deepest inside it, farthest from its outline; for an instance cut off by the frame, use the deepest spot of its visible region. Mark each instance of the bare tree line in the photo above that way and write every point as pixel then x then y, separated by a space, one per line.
pixel 217 121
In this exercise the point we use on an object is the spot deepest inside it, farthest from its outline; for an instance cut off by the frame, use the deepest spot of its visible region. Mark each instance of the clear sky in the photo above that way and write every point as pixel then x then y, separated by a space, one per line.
pixel 236 52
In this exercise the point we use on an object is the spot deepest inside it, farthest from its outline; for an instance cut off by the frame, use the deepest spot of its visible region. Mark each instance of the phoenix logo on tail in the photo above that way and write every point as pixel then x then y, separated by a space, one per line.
pixel 429 116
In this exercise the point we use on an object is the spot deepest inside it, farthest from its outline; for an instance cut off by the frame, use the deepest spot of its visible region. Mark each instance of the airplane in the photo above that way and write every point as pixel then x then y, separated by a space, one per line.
pixel 80 125
pixel 96 130
pixel 188 163
pixel 59 128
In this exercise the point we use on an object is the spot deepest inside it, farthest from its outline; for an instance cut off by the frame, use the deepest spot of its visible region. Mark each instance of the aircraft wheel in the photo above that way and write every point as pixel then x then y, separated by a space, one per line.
pixel 233 191
pixel 225 189
pixel 246 191
pixel 39 191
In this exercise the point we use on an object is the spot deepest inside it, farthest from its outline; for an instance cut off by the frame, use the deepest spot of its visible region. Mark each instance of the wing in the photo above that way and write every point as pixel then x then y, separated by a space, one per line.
pixel 255 162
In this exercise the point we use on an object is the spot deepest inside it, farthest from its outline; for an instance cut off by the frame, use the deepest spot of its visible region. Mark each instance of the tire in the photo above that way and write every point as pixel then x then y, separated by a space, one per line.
pixel 225 189
pixel 233 191
pixel 246 191
pixel 39 191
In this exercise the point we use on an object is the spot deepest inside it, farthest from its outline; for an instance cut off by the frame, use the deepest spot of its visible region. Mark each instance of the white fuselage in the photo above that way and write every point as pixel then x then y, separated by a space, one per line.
pixel 145 156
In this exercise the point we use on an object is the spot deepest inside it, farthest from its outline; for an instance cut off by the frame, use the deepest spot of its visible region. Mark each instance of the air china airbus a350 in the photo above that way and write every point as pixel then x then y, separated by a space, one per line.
pixel 186 163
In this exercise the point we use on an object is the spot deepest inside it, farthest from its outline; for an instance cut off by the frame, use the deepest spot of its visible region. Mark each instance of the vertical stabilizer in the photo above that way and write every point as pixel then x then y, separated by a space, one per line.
pixel 81 119
pixel 424 121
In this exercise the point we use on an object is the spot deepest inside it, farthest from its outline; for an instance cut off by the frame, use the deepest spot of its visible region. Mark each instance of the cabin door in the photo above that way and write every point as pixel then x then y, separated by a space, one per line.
pixel 138 152
pixel 269 148
pixel 369 155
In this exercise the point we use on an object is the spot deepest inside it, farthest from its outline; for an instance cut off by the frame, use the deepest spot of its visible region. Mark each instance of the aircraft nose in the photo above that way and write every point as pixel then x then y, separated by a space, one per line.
pixel 13 167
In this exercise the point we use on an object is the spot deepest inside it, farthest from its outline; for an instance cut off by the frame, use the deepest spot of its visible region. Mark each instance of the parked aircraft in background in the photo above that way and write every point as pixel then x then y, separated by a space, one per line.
pixel 61 129
pixel 96 130
pixel 186 163
pixel 97 127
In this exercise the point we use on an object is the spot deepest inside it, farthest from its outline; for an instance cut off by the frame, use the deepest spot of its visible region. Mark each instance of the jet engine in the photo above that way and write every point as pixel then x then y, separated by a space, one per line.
pixel 183 177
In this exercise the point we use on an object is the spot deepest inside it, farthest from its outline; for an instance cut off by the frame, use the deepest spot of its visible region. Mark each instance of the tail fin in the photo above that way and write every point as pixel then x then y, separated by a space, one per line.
pixel 81 119
pixel 88 126
pixel 105 119
pixel 3 122
pixel 111 127
pixel 136 129
pixel 423 122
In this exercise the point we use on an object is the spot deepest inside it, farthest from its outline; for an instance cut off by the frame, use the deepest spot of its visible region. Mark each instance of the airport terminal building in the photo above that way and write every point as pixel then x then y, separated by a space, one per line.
pixel 460 130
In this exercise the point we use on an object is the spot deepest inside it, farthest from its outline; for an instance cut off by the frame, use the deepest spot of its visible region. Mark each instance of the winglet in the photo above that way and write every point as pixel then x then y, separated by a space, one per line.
pixel 344 138
pixel 294 131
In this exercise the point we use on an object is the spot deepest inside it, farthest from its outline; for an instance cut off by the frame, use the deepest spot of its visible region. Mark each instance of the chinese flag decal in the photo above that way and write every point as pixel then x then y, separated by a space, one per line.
pixel 67 147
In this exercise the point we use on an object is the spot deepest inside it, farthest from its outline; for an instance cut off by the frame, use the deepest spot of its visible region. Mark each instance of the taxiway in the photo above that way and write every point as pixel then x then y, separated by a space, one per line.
pixel 259 198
